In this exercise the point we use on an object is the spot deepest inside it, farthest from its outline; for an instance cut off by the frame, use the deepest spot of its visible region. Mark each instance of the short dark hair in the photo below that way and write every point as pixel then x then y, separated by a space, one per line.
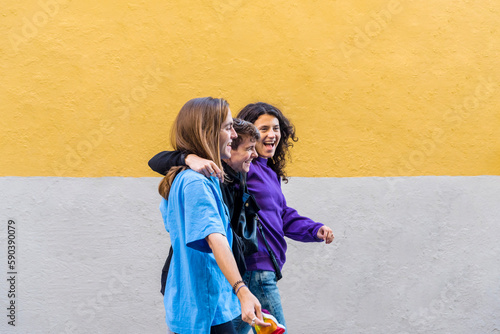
pixel 243 129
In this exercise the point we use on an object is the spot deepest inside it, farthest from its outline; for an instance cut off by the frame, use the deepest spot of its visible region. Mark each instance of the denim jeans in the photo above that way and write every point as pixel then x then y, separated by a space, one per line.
pixel 263 285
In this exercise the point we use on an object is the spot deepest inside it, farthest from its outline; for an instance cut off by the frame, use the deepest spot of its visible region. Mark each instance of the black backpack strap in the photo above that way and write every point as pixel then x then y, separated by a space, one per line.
pixel 164 271
pixel 277 269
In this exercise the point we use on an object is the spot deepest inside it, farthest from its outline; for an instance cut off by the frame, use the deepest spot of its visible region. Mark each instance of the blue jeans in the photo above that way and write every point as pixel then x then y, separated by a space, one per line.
pixel 263 285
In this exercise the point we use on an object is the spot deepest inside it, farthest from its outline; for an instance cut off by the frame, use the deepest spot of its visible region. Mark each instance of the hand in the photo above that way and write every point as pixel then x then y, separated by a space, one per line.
pixel 250 308
pixel 203 166
pixel 325 233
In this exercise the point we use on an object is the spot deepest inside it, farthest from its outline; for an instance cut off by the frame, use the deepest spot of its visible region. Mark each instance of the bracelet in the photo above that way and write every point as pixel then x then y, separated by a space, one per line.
pixel 236 293
pixel 236 284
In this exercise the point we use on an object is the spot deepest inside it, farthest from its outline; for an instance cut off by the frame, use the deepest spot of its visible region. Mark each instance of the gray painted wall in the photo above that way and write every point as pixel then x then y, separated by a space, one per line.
pixel 411 255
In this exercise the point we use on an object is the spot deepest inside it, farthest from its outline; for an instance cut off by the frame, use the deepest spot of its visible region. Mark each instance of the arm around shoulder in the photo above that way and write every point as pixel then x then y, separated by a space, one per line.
pixel 163 161
pixel 203 166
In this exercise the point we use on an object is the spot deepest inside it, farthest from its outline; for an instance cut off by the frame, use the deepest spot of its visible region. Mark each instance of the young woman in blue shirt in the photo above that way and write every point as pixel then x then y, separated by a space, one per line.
pixel 203 284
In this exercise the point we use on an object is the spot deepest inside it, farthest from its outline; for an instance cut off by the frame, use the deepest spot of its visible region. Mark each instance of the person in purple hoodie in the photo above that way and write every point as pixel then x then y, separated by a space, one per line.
pixel 277 219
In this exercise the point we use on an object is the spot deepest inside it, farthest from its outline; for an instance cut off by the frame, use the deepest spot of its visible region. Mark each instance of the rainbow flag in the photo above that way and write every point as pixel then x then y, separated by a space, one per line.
pixel 275 328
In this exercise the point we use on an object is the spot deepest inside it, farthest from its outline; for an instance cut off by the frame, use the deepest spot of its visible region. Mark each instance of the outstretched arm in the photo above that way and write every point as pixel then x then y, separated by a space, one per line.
pixel 250 306
pixel 302 228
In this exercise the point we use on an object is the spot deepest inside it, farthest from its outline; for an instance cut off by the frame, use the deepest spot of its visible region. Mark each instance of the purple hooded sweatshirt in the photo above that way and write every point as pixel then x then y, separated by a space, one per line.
pixel 278 220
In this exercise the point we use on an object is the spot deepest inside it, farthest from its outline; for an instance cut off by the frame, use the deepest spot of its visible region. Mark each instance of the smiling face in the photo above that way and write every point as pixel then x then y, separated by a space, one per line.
pixel 242 156
pixel 269 128
pixel 227 134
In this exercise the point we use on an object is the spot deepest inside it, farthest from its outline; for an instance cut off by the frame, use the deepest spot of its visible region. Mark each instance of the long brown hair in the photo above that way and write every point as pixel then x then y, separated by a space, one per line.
pixel 196 130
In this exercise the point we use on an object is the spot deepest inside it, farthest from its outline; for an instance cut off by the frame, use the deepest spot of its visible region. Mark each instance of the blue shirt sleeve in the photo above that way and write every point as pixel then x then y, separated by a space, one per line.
pixel 202 212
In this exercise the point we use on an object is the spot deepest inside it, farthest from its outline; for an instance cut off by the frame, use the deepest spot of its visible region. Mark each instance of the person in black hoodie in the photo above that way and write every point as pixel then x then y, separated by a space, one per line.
pixel 233 187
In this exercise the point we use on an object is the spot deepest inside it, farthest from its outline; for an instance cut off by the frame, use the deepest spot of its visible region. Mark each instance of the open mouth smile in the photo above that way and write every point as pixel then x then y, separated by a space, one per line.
pixel 269 145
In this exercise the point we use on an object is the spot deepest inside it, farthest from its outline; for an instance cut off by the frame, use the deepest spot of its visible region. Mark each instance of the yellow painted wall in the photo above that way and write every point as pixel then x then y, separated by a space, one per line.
pixel 375 88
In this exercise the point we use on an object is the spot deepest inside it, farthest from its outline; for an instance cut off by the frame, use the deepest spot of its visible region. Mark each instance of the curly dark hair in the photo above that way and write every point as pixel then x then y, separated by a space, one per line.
pixel 277 163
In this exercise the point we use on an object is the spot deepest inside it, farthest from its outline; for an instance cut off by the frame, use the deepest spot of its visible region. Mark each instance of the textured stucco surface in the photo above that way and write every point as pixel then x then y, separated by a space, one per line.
pixel 89 89
pixel 380 87
pixel 411 255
